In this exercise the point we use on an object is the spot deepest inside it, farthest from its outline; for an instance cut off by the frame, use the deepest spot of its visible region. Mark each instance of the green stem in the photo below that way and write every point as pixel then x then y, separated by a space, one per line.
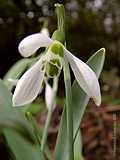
pixel 67 79
pixel 58 35
pixel 49 115
pixel 44 138
pixel 69 112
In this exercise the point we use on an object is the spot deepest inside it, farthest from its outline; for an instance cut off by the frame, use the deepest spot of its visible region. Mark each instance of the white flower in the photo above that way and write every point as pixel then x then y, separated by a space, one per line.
pixel 29 84
pixel 31 44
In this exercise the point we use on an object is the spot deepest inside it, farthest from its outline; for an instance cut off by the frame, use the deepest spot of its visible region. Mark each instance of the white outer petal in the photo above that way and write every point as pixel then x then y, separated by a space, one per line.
pixel 49 93
pixel 32 43
pixel 85 77
pixel 28 86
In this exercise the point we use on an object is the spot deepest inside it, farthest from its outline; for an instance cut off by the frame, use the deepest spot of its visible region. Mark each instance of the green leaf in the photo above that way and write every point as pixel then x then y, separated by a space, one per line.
pixel 16 71
pixel 11 117
pixel 79 103
pixel 5 98
pixel 21 148
pixel 78 147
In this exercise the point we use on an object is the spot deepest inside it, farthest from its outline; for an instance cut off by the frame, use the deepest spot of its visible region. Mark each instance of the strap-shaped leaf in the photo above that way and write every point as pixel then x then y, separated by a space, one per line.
pixel 11 117
pixel 5 98
pixel 16 71
pixel 78 147
pixel 21 149
pixel 79 103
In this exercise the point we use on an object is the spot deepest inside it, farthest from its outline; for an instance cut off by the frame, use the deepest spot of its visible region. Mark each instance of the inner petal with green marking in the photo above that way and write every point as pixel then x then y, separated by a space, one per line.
pixel 52 70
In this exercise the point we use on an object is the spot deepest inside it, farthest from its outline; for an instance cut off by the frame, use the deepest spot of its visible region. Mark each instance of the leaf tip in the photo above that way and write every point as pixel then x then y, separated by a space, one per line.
pixel 102 51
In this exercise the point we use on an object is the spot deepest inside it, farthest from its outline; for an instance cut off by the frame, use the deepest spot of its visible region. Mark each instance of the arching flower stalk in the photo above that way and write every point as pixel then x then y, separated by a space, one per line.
pixel 50 65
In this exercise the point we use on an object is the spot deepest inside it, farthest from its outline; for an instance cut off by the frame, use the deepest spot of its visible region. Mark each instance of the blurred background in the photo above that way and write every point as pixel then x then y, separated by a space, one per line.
pixel 90 25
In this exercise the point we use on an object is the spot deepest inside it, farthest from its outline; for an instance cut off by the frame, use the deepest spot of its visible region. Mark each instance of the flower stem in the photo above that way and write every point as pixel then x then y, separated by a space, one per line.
pixel 69 112
pixel 49 115
pixel 45 132
pixel 67 80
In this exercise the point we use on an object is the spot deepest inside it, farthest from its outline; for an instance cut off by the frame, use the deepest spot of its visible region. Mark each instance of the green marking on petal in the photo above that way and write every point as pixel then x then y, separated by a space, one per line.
pixel 56 62
pixel 57 48
pixel 52 70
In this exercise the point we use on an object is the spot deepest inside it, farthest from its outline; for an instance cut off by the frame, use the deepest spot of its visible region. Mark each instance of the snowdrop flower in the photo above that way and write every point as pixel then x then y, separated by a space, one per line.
pixel 50 65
